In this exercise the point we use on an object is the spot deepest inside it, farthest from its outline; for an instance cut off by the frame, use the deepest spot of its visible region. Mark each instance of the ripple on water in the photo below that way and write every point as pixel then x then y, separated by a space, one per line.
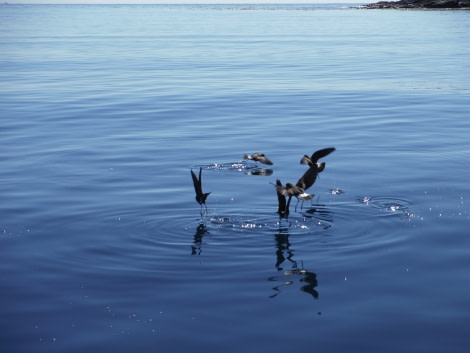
pixel 345 221
pixel 236 222
pixel 388 205
pixel 336 191
pixel 247 168
pixel 360 222
pixel 309 219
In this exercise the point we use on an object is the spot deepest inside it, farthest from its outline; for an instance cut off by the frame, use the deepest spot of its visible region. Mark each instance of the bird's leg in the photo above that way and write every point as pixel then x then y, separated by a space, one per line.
pixel 203 211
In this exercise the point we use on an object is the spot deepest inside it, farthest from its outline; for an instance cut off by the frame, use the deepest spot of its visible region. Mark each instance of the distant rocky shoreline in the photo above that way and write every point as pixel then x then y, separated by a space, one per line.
pixel 419 4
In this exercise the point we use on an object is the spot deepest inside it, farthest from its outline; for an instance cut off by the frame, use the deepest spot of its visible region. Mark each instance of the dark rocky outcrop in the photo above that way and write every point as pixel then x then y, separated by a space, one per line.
pixel 419 4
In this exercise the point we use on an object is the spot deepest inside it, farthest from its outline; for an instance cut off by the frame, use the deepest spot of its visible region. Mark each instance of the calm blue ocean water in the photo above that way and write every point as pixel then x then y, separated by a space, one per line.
pixel 104 111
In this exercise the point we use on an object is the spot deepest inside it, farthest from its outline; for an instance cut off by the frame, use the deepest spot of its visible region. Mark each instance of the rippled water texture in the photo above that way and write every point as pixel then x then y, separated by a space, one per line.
pixel 106 109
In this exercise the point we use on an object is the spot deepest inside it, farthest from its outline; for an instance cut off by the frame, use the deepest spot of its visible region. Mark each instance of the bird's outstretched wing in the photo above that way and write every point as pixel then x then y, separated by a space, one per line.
pixel 197 183
pixel 321 153
pixel 265 160
pixel 281 190
pixel 282 209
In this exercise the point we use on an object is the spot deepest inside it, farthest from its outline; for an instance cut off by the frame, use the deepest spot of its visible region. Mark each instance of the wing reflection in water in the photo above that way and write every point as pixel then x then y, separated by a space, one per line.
pixel 259 171
pixel 305 277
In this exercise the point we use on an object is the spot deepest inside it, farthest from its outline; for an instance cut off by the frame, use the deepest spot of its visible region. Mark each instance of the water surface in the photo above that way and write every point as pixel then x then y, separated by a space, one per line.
pixel 105 109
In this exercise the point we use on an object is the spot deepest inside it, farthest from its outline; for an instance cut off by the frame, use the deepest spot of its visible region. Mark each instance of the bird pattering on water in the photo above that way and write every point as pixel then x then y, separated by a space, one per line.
pixel 309 177
pixel 200 196
pixel 283 209
pixel 258 157
pixel 306 181
pixel 288 191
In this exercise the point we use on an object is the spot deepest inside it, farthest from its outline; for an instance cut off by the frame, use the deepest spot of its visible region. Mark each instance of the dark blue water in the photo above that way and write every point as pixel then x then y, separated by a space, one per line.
pixel 104 111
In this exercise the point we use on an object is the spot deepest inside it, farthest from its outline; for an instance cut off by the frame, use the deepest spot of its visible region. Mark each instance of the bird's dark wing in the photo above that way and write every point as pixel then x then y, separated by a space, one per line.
pixel 200 179
pixel 282 208
pixel 266 160
pixel 308 178
pixel 281 190
pixel 197 183
pixel 321 153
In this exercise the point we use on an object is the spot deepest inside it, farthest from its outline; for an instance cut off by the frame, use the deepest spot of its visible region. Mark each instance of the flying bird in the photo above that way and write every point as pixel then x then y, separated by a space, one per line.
pixel 200 196
pixel 310 176
pixel 258 157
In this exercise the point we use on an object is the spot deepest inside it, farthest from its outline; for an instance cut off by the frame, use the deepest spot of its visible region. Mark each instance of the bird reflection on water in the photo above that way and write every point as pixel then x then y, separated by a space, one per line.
pixel 283 254
pixel 292 271
pixel 260 172
pixel 196 248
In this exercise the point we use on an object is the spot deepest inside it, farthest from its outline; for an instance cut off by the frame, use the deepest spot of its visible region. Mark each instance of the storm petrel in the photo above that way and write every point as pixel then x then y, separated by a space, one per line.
pixel 283 209
pixel 291 190
pixel 200 196
pixel 258 157
pixel 311 174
